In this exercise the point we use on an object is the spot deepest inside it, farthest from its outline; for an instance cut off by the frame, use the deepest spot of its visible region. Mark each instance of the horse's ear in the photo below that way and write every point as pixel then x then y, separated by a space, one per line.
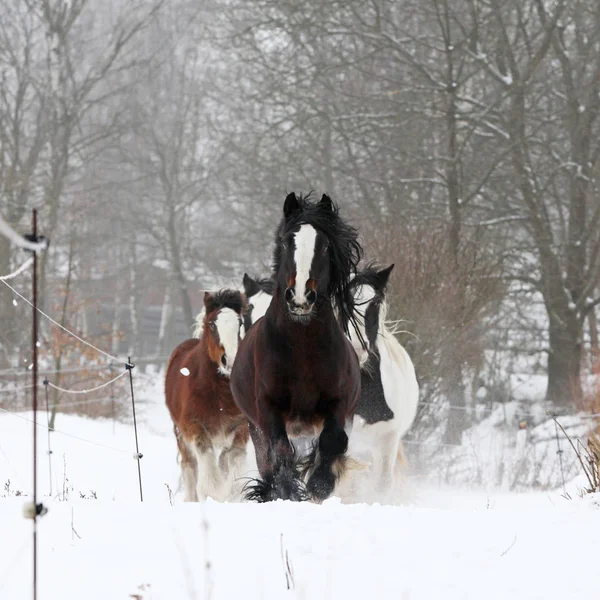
pixel 208 302
pixel 381 278
pixel 326 202
pixel 251 287
pixel 290 205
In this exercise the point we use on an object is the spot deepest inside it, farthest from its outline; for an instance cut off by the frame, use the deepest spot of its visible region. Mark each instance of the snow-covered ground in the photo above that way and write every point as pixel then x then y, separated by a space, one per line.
pixel 99 541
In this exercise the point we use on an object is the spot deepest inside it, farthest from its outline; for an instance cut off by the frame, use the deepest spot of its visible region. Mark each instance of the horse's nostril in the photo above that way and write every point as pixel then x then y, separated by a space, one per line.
pixel 311 296
pixel 289 294
pixel 224 360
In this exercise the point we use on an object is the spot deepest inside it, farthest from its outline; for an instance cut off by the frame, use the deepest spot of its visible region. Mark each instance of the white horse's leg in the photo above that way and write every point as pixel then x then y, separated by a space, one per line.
pixel 188 474
pixel 208 477
pixel 232 461
pixel 188 471
pixel 387 452
pixel 401 459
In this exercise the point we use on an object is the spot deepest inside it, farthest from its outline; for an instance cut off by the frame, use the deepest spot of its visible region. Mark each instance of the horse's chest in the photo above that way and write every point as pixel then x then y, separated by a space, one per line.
pixel 305 372
pixel 215 404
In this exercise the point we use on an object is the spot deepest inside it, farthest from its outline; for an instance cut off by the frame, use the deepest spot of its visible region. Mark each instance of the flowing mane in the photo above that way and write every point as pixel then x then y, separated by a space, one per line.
pixel 370 275
pixel 228 299
pixel 345 250
pixel 266 285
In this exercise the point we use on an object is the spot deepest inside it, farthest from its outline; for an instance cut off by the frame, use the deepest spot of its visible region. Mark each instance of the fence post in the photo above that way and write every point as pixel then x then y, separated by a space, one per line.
pixel 560 452
pixel 129 366
pixel 36 510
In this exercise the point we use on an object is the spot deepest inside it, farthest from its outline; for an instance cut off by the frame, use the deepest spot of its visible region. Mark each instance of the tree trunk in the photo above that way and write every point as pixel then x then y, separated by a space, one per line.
pixel 176 265
pixel 7 330
pixel 63 321
pixel 166 319
pixel 116 323
pixel 454 392
pixel 133 300
pixel 564 364
pixel 595 348
pixel 454 384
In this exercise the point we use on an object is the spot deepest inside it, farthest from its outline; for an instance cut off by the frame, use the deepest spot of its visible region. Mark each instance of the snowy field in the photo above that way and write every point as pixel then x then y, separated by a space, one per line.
pixel 99 542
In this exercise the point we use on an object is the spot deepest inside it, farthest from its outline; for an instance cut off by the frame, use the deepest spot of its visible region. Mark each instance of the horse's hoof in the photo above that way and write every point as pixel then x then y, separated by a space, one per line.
pixel 259 490
pixel 289 486
pixel 320 486
pixel 279 487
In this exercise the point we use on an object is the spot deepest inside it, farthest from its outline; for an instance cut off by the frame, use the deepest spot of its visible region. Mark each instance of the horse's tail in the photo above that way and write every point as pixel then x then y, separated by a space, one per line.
pixel 199 324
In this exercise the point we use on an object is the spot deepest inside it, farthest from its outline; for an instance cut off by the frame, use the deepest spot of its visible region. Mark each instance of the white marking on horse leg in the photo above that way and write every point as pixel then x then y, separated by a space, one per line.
pixel 388 454
pixel 231 462
pixel 305 240
pixel 208 477
pixel 228 326
pixel 401 460
pixel 188 474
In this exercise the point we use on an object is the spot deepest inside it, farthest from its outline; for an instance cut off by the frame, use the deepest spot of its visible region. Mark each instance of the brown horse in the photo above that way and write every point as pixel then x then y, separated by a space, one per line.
pixel 296 374
pixel 212 434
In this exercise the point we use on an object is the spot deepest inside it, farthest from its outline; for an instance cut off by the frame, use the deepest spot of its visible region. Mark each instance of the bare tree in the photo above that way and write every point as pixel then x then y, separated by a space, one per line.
pixel 547 65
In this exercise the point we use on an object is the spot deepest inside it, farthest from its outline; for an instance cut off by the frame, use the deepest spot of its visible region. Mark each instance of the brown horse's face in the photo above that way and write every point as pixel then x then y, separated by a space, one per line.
pixel 223 329
pixel 304 271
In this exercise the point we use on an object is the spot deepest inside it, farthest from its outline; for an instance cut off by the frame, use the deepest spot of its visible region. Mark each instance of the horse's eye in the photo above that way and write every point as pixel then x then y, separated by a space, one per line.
pixel 250 307
pixel 212 325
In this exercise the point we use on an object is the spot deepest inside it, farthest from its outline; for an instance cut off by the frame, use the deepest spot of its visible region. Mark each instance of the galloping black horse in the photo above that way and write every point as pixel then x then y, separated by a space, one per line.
pixel 296 373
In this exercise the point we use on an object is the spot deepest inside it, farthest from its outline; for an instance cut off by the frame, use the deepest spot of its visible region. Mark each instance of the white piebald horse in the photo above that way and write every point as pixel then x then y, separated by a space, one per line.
pixel 390 392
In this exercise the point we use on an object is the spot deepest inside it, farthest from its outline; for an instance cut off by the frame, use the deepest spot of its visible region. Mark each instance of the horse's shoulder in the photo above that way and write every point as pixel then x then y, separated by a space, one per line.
pixel 185 346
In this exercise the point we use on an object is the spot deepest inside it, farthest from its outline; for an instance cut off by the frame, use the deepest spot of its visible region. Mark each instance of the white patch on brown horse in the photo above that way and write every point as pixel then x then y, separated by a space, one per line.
pixel 228 327
pixel 305 240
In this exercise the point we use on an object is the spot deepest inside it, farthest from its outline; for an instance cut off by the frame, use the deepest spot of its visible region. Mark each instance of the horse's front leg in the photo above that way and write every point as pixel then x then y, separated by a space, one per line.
pixel 330 457
pixel 276 463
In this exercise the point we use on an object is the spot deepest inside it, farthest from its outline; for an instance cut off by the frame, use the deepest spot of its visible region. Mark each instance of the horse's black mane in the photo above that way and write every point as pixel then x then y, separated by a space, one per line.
pixel 226 298
pixel 267 285
pixel 345 249
pixel 369 275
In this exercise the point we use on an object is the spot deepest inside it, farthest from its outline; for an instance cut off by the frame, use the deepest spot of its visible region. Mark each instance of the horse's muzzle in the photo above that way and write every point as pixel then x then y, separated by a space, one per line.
pixel 300 310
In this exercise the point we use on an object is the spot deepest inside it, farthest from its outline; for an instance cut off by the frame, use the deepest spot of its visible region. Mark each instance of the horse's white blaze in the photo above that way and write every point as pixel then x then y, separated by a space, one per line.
pixel 228 327
pixel 305 240
pixel 363 295
pixel 260 302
